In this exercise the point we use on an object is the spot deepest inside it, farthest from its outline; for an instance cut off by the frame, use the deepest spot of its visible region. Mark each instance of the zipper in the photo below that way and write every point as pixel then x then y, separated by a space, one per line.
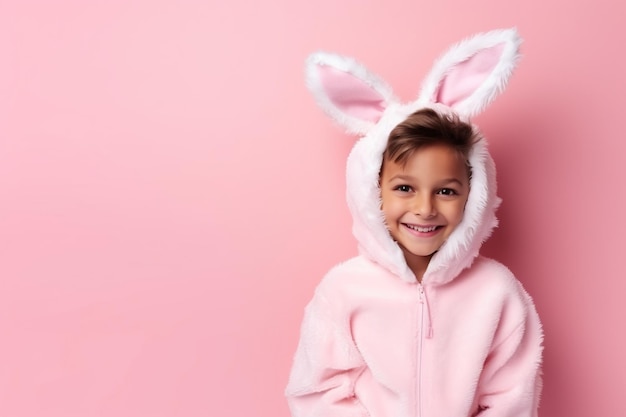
pixel 418 405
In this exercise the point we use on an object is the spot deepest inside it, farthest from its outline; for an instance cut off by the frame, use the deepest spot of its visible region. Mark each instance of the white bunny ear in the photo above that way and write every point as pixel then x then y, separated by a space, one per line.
pixel 473 72
pixel 347 91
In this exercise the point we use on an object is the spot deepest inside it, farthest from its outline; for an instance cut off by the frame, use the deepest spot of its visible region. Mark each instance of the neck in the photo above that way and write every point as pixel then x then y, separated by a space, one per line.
pixel 417 264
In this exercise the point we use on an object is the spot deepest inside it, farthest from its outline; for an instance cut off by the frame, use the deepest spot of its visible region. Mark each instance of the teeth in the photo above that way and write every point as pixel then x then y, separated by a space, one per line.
pixel 422 229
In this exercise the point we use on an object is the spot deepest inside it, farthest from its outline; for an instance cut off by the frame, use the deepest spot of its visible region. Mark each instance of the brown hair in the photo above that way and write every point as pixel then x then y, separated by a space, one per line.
pixel 427 127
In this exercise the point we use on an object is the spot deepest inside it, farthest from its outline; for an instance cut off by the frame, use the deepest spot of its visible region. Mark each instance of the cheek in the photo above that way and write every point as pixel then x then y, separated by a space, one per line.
pixel 454 213
pixel 459 212
pixel 390 209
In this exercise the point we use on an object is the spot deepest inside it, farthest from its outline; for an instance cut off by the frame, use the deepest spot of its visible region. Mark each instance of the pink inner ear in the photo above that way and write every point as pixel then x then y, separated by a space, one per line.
pixel 467 76
pixel 351 95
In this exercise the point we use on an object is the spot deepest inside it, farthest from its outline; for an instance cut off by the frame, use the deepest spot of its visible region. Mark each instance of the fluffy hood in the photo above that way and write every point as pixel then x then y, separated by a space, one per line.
pixel 463 81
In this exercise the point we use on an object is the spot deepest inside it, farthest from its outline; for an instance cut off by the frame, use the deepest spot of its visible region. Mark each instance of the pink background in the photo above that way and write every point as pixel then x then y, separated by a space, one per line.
pixel 170 194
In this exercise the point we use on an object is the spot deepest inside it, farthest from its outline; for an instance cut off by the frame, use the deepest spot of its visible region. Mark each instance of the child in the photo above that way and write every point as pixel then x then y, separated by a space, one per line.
pixel 419 324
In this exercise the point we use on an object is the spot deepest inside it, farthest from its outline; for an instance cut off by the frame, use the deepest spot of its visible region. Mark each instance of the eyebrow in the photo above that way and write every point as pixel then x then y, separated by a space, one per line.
pixel 449 180
pixel 409 178
pixel 401 177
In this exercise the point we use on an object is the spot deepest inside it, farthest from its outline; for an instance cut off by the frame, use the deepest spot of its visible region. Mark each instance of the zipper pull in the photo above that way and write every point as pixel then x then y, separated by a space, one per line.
pixel 429 333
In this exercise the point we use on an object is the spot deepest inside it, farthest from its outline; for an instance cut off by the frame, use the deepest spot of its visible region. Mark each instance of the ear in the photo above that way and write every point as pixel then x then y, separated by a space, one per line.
pixel 347 91
pixel 473 72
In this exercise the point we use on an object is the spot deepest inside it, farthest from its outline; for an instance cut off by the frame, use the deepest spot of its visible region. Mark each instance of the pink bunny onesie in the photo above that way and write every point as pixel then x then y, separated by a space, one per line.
pixel 375 342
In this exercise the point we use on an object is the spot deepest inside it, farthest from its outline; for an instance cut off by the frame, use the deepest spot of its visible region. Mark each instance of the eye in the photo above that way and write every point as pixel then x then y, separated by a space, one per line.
pixel 447 192
pixel 403 188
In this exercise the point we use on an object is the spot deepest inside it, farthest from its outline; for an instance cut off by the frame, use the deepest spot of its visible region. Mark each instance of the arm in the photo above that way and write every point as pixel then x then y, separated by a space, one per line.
pixel 326 365
pixel 510 384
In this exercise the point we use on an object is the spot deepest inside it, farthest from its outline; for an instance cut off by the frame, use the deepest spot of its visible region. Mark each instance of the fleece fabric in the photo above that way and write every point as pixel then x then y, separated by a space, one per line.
pixel 375 342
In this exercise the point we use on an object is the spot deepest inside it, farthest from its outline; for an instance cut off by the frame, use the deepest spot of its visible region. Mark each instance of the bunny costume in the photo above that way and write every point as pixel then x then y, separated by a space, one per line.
pixel 376 342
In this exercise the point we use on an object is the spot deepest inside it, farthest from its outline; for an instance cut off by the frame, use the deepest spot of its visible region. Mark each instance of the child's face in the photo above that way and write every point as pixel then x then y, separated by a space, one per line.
pixel 423 201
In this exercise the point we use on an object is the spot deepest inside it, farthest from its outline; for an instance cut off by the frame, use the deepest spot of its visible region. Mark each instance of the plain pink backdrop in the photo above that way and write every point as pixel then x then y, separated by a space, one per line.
pixel 170 194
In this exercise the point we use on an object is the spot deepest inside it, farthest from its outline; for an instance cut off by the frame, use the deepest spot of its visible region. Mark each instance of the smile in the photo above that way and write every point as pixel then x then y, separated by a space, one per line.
pixel 421 229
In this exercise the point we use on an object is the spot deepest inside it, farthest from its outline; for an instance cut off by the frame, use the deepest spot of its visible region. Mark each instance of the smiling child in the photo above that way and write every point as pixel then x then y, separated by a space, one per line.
pixel 418 324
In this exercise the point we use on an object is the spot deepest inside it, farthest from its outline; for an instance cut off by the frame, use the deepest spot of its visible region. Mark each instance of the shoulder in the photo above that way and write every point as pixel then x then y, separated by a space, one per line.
pixel 496 282
pixel 357 269
pixel 515 308
pixel 493 291
pixel 494 274
pixel 357 278
pixel 491 269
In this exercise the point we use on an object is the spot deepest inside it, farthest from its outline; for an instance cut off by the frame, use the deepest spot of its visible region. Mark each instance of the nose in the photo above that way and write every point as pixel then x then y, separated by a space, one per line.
pixel 424 206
